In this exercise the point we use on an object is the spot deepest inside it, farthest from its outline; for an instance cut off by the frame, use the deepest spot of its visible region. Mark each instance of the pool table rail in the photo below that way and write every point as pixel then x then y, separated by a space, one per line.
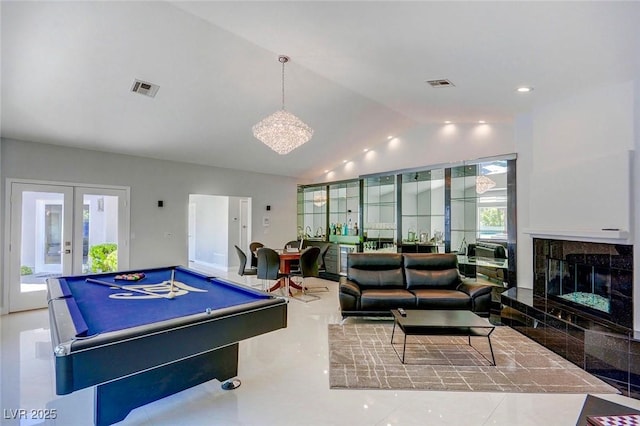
pixel 86 361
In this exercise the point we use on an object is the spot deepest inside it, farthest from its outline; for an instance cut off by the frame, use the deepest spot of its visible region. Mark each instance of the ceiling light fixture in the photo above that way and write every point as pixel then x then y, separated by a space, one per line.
pixel 483 184
pixel 481 121
pixel 282 131
pixel 524 89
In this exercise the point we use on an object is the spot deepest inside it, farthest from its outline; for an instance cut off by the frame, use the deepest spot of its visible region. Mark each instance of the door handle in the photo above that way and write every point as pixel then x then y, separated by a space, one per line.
pixel 67 251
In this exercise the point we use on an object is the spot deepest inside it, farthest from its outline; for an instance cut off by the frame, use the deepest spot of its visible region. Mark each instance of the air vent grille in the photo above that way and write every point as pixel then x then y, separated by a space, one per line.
pixel 145 88
pixel 440 83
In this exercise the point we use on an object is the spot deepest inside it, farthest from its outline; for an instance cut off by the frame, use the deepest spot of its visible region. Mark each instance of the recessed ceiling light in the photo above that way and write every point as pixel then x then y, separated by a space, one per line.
pixel 524 89
pixel 389 137
pixel 447 122
pixel 344 161
pixel 326 171
pixel 481 121
pixel 365 150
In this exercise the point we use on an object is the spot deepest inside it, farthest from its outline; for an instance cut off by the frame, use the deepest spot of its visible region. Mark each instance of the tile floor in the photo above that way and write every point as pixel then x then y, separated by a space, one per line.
pixel 285 381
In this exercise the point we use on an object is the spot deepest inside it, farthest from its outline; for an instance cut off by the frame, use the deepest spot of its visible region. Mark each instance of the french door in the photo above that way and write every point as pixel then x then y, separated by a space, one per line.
pixel 54 229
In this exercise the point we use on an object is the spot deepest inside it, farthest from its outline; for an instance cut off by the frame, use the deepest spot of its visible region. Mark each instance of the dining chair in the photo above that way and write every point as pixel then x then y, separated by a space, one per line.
pixel 308 268
pixel 253 248
pixel 322 267
pixel 242 268
pixel 269 266
pixel 293 244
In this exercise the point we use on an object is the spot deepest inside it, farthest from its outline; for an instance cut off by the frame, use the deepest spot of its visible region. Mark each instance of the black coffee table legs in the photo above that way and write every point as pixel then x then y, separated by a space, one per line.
pixel 492 361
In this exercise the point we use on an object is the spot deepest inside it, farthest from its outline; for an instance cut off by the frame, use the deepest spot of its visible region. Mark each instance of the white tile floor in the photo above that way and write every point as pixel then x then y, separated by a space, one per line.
pixel 284 382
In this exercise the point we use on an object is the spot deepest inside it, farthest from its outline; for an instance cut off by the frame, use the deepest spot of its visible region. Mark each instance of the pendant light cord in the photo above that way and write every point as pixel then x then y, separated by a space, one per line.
pixel 283 59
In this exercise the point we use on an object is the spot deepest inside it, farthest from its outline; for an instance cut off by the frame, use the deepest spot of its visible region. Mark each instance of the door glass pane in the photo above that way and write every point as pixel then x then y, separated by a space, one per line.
pixel 99 233
pixel 41 234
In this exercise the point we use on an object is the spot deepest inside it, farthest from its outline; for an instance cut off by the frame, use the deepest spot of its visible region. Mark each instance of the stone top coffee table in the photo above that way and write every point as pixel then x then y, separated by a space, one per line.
pixel 443 323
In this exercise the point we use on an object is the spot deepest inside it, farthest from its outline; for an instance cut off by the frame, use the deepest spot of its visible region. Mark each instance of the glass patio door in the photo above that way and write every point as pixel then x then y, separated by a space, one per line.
pixel 53 231
pixel 100 230
pixel 41 238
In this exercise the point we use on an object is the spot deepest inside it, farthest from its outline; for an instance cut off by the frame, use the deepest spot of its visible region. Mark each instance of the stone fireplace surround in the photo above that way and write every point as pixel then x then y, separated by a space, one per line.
pixel 601 343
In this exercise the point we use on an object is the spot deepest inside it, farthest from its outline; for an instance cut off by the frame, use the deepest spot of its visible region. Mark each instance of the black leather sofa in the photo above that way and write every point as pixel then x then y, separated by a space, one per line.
pixel 378 282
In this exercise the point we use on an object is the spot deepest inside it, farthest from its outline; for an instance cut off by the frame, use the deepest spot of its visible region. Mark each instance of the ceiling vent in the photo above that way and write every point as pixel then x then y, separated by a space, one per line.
pixel 440 83
pixel 145 88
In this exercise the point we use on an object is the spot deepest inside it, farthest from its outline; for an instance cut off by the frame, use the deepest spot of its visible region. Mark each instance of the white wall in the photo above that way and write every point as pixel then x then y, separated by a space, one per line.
pixel 635 205
pixel 152 180
pixel 430 144
pixel 233 231
pixel 593 134
pixel 524 141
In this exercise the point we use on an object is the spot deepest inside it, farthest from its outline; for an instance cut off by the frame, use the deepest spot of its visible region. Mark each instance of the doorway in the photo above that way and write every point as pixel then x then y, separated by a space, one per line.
pixel 53 230
pixel 216 224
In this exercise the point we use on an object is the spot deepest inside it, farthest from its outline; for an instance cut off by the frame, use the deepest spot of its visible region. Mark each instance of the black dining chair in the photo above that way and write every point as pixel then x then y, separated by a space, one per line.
pixel 322 267
pixel 308 268
pixel 269 266
pixel 242 268
pixel 253 248
pixel 294 244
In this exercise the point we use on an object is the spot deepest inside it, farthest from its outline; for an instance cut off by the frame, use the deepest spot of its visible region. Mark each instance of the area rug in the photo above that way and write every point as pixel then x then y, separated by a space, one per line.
pixel 361 357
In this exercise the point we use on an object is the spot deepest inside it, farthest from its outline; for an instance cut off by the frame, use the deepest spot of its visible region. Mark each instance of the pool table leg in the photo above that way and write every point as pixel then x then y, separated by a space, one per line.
pixel 114 400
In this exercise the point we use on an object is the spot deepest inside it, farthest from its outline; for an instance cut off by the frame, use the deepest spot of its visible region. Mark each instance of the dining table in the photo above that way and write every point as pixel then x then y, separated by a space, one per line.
pixel 287 258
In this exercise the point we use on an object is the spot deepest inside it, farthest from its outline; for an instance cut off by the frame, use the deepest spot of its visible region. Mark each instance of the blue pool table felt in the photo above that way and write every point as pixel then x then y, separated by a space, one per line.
pixel 96 312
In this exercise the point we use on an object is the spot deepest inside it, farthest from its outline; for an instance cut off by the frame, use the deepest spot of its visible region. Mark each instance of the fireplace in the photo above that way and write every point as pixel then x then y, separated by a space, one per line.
pixel 593 279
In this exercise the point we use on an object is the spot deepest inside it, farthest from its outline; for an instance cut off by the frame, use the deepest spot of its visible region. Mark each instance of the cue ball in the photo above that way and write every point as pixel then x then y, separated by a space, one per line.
pixel 171 295
pixel 208 311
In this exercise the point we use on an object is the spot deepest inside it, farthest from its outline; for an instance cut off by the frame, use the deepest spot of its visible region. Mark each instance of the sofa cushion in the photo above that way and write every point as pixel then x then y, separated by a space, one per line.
pixel 371 270
pixel 386 299
pixel 442 299
pixel 431 271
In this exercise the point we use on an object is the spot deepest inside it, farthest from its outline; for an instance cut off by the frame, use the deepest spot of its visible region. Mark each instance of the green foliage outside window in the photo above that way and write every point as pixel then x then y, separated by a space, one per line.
pixel 25 270
pixel 103 257
pixel 492 217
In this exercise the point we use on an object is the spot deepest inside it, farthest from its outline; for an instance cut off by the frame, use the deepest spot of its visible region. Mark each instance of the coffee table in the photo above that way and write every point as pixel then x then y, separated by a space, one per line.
pixel 443 323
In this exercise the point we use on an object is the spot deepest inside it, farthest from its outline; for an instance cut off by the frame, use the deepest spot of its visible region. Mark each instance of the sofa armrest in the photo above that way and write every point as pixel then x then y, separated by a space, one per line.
pixel 350 288
pixel 480 295
pixel 349 295
pixel 473 289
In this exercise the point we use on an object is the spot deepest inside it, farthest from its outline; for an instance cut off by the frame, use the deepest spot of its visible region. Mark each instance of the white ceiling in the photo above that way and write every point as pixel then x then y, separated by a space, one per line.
pixel 357 71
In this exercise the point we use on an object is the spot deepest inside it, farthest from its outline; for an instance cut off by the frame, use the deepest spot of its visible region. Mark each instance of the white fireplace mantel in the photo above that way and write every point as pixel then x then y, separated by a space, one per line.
pixel 612 236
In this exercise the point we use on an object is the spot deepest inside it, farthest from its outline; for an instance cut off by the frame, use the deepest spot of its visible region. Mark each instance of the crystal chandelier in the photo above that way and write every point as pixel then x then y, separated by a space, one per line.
pixel 282 131
pixel 483 184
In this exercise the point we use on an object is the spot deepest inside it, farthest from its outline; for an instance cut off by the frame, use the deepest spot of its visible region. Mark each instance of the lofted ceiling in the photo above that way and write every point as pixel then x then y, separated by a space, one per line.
pixel 358 71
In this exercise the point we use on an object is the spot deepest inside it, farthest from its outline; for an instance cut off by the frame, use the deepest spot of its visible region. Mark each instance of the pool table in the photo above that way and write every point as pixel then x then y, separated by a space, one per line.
pixel 137 344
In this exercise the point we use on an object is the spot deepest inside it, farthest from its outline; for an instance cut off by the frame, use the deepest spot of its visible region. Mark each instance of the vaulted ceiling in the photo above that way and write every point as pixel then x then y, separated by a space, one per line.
pixel 358 71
